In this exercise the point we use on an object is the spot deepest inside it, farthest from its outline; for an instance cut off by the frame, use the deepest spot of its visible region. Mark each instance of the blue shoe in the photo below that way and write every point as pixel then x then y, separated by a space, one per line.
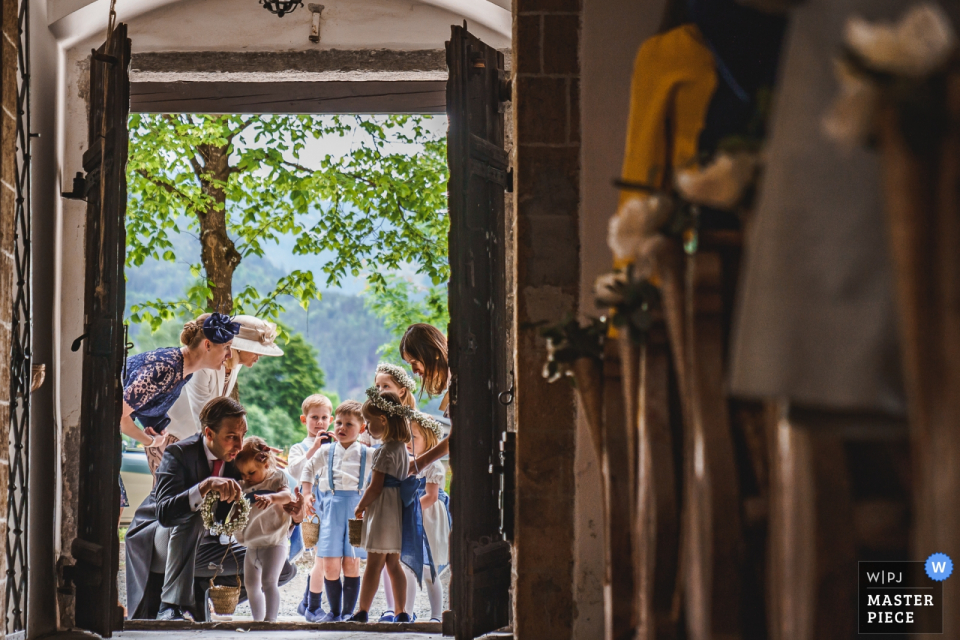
pixel 302 607
pixel 387 616
pixel 403 617
pixel 329 617
pixel 315 616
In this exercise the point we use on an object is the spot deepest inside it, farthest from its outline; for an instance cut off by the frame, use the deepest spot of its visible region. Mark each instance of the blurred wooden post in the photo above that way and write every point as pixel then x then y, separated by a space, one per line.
pixel 619 584
pixel 923 207
pixel 657 540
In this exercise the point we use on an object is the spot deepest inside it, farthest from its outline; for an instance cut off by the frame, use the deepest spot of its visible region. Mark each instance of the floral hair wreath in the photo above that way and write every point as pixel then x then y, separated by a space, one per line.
pixel 381 403
pixel 427 422
pixel 398 374
pixel 394 409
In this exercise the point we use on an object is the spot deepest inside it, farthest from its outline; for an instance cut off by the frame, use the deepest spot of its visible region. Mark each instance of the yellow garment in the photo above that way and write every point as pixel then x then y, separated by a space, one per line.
pixel 674 78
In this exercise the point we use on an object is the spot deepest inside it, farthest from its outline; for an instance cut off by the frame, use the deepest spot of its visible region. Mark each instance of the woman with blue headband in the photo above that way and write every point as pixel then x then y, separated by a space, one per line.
pixel 155 379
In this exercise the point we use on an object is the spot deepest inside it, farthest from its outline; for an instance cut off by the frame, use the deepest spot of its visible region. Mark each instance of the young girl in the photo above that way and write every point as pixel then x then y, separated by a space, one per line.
pixel 265 535
pixel 394 379
pixel 381 507
pixel 434 503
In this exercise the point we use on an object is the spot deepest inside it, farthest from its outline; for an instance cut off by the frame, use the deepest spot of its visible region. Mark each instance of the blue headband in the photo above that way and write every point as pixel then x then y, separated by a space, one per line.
pixel 219 329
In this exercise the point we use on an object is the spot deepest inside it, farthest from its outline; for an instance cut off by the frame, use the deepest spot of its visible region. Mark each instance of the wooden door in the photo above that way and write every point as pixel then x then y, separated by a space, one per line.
pixel 96 548
pixel 480 557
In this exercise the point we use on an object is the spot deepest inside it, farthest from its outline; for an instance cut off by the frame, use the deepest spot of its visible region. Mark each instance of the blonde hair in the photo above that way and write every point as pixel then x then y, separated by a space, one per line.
pixel 317 399
pixel 430 439
pixel 192 334
pixel 350 408
pixel 398 429
pixel 425 344
pixel 255 448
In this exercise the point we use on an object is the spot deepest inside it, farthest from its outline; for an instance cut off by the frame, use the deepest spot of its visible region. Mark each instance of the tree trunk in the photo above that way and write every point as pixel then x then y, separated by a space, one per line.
pixel 218 254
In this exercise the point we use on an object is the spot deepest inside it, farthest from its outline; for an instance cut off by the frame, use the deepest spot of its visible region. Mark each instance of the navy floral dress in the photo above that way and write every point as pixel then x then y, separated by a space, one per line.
pixel 152 385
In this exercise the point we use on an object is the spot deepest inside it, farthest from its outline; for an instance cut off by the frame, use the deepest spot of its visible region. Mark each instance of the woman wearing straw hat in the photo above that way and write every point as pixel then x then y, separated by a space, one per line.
pixel 255 338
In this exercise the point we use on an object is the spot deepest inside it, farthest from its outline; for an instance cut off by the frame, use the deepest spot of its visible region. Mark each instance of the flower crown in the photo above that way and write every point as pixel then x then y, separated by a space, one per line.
pixel 394 409
pixel 427 422
pixel 388 407
pixel 398 374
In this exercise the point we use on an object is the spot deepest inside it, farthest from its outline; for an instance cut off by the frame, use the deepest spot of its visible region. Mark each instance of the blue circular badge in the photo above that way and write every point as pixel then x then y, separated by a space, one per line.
pixel 939 567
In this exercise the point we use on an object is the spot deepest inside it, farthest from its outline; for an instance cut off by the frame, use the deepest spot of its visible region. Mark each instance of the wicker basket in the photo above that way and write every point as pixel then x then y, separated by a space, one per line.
pixel 356 531
pixel 225 598
pixel 311 533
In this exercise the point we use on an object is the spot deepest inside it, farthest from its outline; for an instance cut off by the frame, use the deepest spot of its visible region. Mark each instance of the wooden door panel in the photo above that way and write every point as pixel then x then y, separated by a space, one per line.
pixel 480 557
pixel 96 548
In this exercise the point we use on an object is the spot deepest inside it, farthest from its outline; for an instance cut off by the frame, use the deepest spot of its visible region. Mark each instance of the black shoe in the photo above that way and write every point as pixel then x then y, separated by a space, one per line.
pixel 359 616
pixel 403 617
pixel 173 612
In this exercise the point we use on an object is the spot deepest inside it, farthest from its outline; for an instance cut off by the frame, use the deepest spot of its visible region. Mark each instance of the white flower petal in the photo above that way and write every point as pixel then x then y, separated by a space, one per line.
pixel 921 42
pixel 637 218
pixel 721 183
pixel 850 119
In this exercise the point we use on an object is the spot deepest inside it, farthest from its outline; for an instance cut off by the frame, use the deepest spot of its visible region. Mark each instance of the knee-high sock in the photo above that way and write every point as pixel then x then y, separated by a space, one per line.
pixel 387 590
pixel 351 591
pixel 334 589
pixel 434 592
pixel 252 570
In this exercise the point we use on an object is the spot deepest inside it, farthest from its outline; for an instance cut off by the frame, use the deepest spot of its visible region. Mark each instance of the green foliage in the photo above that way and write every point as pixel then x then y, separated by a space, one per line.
pixel 375 209
pixel 276 387
pixel 401 303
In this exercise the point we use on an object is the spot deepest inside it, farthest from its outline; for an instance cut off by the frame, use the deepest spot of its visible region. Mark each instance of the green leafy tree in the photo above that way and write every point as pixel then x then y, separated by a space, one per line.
pixel 237 183
pixel 400 303
pixel 278 386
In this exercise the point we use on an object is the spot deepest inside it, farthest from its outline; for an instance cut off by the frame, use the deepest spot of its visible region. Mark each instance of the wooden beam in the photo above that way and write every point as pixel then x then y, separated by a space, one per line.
pixel 289 97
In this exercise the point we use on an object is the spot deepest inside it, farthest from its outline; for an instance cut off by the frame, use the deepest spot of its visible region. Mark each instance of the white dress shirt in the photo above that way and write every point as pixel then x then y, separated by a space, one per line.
pixel 297 459
pixel 195 499
pixel 346 467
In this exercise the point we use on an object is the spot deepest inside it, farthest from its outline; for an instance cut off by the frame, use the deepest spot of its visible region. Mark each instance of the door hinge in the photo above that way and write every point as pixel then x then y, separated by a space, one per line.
pixel 79 188
pixel 509 185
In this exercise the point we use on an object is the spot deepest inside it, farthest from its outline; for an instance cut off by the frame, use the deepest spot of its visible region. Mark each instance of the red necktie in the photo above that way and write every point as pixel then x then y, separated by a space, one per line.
pixel 217 466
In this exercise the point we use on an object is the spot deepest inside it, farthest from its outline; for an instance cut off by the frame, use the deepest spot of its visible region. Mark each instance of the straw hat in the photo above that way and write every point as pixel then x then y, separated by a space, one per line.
pixel 256 336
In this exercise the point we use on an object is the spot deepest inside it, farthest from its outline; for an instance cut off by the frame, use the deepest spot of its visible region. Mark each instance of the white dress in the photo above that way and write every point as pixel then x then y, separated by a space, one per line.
pixel 383 520
pixel 436 525
pixel 266 527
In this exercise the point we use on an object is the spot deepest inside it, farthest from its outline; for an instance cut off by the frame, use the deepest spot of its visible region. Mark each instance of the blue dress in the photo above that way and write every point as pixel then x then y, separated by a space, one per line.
pixel 152 385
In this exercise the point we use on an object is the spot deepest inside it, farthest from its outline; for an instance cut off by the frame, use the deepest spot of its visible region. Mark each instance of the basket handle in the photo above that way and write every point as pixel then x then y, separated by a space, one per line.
pixel 220 566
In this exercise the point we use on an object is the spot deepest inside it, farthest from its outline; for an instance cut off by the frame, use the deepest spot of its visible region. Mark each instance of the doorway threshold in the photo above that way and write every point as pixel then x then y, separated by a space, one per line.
pixel 250 625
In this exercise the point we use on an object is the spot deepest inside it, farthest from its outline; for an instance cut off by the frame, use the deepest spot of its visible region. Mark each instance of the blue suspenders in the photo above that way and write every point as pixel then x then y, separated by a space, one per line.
pixel 363 468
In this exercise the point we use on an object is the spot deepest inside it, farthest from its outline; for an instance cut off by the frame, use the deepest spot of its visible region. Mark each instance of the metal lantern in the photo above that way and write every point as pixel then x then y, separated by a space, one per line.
pixel 281 7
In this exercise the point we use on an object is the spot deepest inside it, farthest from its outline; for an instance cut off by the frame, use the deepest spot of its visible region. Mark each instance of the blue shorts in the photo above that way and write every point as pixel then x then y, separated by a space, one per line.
pixel 334 539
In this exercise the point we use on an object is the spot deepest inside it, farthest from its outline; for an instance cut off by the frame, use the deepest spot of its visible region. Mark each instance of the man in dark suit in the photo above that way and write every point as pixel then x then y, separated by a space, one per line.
pixel 169 524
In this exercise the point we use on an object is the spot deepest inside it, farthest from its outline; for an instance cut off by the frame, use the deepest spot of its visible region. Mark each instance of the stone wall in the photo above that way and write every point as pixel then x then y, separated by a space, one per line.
pixel 547 202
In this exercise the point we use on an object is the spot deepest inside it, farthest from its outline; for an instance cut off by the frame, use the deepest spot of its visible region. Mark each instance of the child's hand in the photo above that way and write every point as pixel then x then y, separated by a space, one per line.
pixel 308 500
pixel 262 502
pixel 358 514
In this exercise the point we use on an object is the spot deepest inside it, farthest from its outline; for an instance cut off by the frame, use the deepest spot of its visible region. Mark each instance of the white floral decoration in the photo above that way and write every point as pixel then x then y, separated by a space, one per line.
pixel 637 219
pixel 236 520
pixel 720 184
pixel 850 120
pixel 607 289
pixel 916 46
pixel 427 422
pixel 381 403
pixel 399 374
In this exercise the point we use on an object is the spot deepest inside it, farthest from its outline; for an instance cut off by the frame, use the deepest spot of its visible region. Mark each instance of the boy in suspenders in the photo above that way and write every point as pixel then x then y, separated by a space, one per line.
pixel 341 471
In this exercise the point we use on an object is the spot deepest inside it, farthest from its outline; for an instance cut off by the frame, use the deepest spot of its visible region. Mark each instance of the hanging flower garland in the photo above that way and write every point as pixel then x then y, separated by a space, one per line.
pixel 235 522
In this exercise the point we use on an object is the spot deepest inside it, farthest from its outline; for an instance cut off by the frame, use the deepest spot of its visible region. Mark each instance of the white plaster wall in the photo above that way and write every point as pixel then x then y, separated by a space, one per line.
pixel 612 31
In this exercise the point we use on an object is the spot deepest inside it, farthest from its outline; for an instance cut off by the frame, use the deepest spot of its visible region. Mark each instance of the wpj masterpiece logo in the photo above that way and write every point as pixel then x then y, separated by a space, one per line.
pixel 903 597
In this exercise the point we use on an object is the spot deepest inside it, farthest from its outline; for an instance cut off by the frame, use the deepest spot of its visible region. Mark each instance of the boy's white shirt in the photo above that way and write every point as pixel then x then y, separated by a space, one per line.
pixel 297 459
pixel 346 467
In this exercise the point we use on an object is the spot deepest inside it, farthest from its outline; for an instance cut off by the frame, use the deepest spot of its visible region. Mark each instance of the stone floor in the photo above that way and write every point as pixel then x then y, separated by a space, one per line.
pixel 292 592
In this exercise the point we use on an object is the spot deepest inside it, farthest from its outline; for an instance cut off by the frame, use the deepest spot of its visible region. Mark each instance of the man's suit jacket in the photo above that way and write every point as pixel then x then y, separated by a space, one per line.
pixel 183 466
